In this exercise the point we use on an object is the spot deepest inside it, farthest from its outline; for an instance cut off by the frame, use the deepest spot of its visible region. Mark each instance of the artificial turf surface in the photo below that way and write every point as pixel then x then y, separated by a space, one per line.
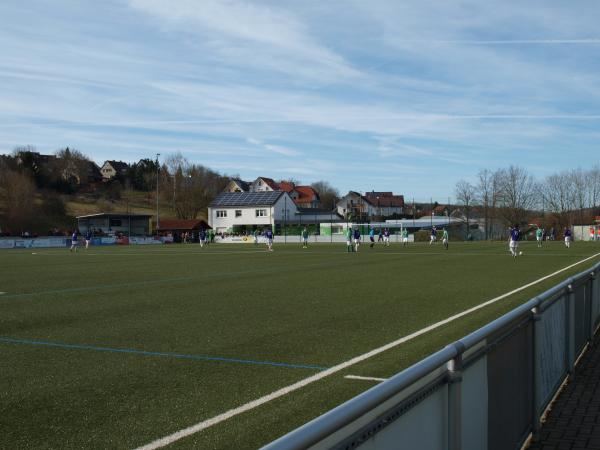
pixel 116 347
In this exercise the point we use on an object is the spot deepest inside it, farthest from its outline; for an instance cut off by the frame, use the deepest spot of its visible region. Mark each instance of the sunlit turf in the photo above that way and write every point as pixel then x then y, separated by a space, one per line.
pixel 115 347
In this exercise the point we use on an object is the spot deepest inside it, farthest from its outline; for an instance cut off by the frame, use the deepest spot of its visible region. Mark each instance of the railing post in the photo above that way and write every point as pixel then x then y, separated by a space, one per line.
pixel 570 329
pixel 592 304
pixel 536 316
pixel 455 367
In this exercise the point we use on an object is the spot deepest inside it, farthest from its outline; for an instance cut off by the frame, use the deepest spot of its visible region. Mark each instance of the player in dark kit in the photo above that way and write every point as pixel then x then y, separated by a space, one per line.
pixel 74 237
pixel 269 236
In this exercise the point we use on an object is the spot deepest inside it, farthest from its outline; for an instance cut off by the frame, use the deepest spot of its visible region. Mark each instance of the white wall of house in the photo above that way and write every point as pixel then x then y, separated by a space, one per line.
pixel 222 219
pixel 233 186
pixel 351 201
pixel 259 185
pixel 107 171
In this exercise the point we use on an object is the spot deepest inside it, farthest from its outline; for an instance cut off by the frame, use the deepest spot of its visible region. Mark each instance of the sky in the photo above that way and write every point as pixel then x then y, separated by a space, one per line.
pixel 404 96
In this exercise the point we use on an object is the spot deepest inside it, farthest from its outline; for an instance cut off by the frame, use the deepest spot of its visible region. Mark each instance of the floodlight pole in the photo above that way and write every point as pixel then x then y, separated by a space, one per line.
pixel 157 173
pixel 431 202
pixel 285 219
pixel 331 222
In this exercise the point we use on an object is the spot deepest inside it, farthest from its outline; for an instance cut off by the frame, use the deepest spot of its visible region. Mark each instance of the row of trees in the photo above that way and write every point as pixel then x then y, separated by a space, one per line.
pixel 512 195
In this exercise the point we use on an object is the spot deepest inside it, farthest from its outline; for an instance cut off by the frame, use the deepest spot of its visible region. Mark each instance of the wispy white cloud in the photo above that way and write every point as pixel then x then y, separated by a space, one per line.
pixel 363 94
pixel 232 27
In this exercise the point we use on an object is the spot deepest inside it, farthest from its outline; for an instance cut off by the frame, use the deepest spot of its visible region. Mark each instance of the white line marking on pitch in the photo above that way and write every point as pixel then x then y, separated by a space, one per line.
pixel 357 377
pixel 162 442
pixel 2 293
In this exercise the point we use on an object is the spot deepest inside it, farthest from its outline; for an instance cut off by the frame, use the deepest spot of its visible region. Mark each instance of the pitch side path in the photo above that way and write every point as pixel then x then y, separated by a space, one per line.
pixel 122 347
pixel 573 422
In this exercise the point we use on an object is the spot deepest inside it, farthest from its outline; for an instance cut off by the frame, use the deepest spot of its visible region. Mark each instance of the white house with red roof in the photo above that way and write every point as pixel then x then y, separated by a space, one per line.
pixel 245 211
pixel 371 204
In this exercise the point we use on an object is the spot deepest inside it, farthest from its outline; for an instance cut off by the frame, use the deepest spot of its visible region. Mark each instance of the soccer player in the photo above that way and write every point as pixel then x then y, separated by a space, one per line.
pixel 433 236
pixel 74 241
pixel 386 237
pixel 539 236
pixel 269 236
pixel 380 237
pixel 513 244
pixel 88 238
pixel 304 238
pixel 356 239
pixel 445 238
pixel 349 240
pixel 256 236
pixel 202 237
pixel 372 237
pixel 567 237
pixel 404 237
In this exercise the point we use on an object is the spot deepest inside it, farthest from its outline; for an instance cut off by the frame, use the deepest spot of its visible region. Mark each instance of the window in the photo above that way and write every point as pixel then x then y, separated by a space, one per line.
pixel 261 213
pixel 221 213
pixel 115 222
pixel 238 213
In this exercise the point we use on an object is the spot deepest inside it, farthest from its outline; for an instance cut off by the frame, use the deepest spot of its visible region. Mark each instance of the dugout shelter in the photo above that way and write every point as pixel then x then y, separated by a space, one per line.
pixel 115 223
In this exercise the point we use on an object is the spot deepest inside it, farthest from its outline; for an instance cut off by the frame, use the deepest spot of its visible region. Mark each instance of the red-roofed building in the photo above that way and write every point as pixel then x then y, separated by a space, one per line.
pixel 303 196
pixel 286 186
pixel 182 230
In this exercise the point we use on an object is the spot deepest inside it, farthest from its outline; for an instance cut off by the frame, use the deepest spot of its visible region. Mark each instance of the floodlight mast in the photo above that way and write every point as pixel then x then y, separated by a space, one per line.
pixel 157 173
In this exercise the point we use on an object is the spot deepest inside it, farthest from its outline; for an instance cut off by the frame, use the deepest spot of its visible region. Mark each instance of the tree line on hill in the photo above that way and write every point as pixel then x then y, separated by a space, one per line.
pixel 513 196
pixel 34 187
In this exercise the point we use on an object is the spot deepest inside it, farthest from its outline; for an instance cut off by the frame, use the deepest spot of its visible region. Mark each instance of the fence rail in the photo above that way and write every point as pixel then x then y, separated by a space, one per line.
pixel 487 390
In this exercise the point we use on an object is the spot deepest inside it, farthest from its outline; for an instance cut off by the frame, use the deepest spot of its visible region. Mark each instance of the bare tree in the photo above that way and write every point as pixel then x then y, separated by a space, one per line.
pixel 465 196
pixel 487 195
pixel 581 195
pixel 516 194
pixel 70 168
pixel 327 193
pixel 593 180
pixel 557 192
pixel 593 187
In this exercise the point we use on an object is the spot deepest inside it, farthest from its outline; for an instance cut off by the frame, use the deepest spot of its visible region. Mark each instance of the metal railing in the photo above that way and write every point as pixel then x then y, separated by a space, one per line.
pixel 487 390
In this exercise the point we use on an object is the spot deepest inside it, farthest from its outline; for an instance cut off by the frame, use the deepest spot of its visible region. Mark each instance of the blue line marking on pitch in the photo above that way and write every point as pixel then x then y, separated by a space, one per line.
pixel 164 354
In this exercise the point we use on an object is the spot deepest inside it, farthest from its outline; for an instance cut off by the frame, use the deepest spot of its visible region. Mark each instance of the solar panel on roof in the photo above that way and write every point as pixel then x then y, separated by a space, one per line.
pixel 246 198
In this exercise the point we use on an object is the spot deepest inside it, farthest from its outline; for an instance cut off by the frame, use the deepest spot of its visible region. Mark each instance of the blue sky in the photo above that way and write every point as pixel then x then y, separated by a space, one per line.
pixel 406 96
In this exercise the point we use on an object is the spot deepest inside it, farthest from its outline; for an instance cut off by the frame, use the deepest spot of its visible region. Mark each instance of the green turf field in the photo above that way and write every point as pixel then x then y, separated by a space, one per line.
pixel 116 347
